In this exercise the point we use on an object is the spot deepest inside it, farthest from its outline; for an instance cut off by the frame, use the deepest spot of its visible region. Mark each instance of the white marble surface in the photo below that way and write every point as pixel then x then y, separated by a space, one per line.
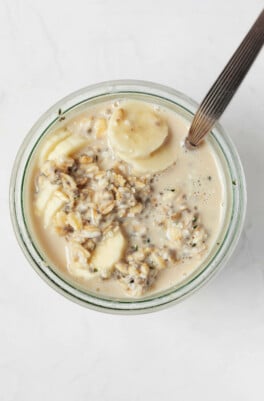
pixel 210 347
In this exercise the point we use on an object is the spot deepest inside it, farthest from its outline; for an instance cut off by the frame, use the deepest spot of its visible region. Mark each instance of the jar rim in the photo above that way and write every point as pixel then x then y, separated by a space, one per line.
pixel 169 296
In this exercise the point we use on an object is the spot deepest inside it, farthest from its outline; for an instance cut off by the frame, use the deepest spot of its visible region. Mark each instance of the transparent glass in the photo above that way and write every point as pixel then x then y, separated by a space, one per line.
pixel 234 178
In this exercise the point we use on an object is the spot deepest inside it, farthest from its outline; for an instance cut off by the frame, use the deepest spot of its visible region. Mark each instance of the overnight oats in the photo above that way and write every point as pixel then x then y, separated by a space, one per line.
pixel 119 204
pixel 117 212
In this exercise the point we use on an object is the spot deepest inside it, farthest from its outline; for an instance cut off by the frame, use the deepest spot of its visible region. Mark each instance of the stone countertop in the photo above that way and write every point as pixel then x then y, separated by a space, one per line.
pixel 209 347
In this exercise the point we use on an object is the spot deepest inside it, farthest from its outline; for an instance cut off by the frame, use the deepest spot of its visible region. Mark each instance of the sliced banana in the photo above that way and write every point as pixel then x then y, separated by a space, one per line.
pixel 55 203
pixel 108 252
pixel 78 261
pixel 136 130
pixel 67 147
pixel 46 191
pixel 163 158
pixel 51 143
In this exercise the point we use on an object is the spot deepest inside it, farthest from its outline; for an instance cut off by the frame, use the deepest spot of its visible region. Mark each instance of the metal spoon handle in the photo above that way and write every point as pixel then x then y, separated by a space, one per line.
pixel 227 83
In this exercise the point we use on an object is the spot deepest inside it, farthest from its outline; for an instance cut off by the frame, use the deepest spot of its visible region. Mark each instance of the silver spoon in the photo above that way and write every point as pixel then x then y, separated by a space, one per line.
pixel 224 88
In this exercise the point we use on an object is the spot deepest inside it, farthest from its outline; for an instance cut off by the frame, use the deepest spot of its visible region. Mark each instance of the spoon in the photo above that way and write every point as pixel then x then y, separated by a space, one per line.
pixel 226 85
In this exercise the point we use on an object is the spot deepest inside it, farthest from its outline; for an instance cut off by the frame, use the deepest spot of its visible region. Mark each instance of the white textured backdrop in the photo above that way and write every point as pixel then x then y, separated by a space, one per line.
pixel 210 347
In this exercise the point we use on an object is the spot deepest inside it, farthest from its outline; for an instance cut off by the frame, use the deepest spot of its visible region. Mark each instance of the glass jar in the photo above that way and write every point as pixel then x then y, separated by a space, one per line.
pixel 232 170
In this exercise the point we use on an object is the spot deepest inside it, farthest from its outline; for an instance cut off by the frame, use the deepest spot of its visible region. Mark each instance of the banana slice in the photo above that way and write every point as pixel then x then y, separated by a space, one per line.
pixel 44 195
pixel 136 130
pixel 108 252
pixel 55 203
pixel 70 145
pixel 163 158
pixel 78 261
pixel 50 144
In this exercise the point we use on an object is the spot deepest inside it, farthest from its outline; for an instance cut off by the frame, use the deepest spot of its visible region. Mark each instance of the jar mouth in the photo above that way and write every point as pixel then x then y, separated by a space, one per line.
pixel 96 93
